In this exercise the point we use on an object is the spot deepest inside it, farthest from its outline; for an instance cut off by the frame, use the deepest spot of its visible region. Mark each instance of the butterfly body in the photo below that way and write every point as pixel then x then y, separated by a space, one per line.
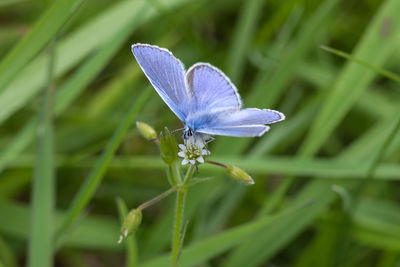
pixel 202 97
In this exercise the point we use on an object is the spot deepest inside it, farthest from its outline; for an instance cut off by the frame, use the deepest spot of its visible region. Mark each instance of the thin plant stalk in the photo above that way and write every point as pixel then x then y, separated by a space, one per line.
pixel 179 210
pixel 157 198
pixel 176 173
pixel 41 234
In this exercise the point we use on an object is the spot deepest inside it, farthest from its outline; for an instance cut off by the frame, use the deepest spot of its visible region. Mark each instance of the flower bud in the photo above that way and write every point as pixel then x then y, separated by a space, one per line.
pixel 131 223
pixel 168 147
pixel 239 175
pixel 146 130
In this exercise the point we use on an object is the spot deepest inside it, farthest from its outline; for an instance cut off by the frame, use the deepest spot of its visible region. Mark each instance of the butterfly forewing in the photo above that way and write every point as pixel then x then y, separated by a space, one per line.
pixel 167 75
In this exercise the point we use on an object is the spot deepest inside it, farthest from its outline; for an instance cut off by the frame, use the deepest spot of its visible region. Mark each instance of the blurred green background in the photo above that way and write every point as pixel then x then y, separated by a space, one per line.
pixel 326 187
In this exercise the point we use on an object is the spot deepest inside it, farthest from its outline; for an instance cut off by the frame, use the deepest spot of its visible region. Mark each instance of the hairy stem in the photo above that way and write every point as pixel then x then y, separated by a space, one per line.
pixel 179 208
pixel 157 198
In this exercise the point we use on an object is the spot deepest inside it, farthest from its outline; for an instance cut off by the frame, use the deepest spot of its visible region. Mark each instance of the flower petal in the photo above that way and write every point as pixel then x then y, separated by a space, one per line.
pixel 192 161
pixel 205 152
pixel 183 147
pixel 185 161
pixel 200 159
pixel 181 154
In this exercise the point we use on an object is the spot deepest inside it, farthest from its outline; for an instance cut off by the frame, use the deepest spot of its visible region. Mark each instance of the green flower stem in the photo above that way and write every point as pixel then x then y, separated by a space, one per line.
pixel 176 173
pixel 189 174
pixel 180 203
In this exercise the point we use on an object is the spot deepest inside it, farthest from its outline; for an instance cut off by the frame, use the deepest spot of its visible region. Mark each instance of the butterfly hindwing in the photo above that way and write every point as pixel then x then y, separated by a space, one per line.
pixel 237 131
pixel 241 123
pixel 167 75
pixel 249 116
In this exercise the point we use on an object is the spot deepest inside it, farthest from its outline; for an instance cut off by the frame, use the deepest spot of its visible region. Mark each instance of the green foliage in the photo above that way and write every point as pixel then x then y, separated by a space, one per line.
pixel 326 179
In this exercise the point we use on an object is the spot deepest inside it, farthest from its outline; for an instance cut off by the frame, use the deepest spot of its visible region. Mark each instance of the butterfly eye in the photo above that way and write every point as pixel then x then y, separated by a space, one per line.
pixel 189 133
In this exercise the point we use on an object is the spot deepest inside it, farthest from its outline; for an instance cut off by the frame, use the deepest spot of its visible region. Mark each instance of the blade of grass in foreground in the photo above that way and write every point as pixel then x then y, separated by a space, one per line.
pixel 88 189
pixel 43 186
pixel 46 27
pixel 243 35
pixel 383 72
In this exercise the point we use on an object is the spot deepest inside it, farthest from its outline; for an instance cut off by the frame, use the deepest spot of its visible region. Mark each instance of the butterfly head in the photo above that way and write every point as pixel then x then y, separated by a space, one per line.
pixel 187 133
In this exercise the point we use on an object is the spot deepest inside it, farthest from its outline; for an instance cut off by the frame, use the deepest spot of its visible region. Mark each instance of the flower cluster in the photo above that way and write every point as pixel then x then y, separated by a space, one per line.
pixel 193 149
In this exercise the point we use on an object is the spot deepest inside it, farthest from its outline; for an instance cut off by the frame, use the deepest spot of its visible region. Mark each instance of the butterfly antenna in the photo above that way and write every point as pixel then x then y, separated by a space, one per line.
pixel 177 130
pixel 157 139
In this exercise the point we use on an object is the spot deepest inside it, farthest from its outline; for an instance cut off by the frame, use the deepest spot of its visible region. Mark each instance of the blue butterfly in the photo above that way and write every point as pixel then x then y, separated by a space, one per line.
pixel 203 97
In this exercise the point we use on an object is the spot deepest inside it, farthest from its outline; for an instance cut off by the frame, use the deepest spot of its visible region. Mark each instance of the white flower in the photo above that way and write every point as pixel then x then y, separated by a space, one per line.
pixel 193 150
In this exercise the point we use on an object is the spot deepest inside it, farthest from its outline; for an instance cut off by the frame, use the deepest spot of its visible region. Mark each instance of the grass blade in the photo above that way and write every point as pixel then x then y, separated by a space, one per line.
pixel 320 168
pixel 46 28
pixel 383 72
pixel 43 188
pixel 241 40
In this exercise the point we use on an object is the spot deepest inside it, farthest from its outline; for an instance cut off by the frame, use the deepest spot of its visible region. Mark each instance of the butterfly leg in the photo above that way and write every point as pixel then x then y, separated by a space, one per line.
pixel 209 140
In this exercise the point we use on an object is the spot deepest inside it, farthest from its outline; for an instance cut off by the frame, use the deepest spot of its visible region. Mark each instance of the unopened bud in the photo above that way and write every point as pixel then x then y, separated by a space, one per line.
pixel 146 130
pixel 168 147
pixel 131 223
pixel 239 175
